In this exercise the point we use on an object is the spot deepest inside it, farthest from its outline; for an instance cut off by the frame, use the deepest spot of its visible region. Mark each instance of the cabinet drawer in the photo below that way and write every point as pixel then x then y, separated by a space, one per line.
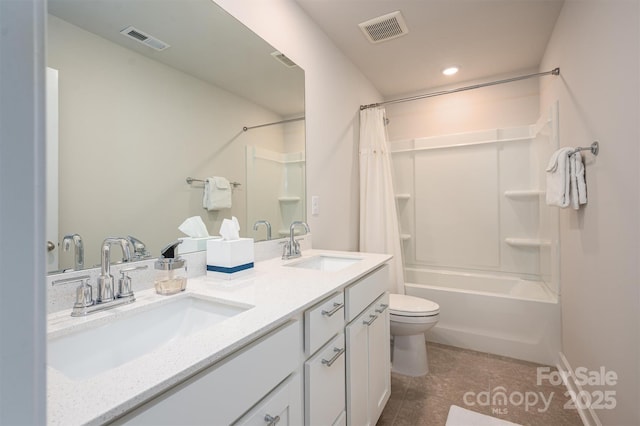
pixel 361 294
pixel 282 407
pixel 322 322
pixel 325 384
pixel 225 391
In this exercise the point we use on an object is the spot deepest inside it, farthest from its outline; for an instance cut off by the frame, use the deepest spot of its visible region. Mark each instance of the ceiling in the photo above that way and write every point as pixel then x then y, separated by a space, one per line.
pixel 206 42
pixel 484 38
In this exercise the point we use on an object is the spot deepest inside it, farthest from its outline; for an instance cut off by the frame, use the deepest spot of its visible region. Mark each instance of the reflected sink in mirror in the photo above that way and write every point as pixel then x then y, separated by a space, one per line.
pixel 325 263
pixel 97 349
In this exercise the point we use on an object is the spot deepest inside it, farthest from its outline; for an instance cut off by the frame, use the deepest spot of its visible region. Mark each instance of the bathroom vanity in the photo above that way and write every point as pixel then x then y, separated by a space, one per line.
pixel 304 341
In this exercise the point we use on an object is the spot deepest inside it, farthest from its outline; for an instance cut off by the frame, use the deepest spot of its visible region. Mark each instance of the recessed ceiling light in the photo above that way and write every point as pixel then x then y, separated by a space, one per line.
pixel 450 71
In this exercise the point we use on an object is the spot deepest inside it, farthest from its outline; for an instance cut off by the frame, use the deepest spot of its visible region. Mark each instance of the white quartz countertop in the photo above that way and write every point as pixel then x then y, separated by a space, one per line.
pixel 276 292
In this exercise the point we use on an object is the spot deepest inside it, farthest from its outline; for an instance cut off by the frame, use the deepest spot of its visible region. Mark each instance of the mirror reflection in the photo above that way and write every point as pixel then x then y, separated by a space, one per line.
pixel 141 110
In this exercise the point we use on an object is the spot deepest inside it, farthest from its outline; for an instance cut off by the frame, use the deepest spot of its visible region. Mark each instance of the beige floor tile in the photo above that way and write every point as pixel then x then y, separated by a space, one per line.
pixel 494 385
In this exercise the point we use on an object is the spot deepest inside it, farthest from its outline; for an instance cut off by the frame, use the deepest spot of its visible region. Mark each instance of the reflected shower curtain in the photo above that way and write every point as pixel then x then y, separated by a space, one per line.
pixel 379 232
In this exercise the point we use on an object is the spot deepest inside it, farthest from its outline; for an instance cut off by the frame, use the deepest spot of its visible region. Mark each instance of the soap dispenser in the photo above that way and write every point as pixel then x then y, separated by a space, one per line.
pixel 171 271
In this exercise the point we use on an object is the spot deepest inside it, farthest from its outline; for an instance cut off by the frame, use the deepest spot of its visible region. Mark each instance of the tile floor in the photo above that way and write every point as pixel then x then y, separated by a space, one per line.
pixel 470 379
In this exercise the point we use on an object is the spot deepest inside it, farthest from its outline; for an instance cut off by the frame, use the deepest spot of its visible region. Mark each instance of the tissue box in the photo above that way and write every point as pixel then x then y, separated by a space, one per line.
pixel 228 259
pixel 192 244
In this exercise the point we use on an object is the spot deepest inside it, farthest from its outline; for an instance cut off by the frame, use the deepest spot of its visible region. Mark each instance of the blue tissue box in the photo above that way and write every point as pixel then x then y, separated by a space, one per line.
pixel 229 259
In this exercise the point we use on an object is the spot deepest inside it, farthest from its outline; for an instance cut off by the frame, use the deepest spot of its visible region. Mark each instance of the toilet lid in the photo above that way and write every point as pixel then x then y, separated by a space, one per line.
pixel 401 304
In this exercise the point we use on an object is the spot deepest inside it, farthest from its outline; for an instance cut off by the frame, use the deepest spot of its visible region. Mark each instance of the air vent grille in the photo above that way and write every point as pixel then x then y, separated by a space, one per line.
pixel 283 59
pixel 144 38
pixel 383 28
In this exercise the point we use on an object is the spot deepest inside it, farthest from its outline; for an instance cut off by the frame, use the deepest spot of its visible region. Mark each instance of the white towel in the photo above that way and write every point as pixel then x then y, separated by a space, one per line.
pixel 558 182
pixel 217 193
pixel 578 184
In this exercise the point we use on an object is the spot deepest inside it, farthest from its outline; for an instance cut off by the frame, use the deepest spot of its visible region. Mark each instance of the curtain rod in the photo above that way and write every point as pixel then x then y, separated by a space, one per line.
pixel 244 129
pixel 555 71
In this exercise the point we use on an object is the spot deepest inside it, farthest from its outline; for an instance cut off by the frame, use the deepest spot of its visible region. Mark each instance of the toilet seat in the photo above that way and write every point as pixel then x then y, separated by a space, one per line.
pixel 402 305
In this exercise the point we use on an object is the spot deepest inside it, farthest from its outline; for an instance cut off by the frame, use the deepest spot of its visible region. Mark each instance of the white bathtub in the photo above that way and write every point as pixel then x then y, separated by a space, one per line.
pixel 489 313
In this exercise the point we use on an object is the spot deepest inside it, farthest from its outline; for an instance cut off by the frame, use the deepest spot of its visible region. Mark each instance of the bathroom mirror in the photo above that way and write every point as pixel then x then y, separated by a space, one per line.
pixel 153 92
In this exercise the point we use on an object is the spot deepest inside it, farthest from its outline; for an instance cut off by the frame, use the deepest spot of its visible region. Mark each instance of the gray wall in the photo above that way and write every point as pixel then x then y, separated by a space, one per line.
pixel 595 44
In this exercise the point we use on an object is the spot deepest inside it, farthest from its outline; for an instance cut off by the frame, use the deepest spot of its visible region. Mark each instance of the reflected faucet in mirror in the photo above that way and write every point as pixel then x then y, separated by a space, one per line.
pixel 76 239
pixel 266 224
pixel 139 249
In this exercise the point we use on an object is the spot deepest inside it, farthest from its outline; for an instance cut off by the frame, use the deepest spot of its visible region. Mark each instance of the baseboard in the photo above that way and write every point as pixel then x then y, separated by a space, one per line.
pixel 587 414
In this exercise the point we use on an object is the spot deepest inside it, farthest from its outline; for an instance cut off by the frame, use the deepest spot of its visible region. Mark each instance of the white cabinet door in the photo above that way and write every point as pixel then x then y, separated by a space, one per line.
pixel 368 364
pixel 282 407
pixel 357 371
pixel 379 359
pixel 325 384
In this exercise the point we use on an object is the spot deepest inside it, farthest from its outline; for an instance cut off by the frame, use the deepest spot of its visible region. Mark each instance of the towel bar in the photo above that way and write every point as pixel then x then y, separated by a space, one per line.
pixel 594 148
pixel 190 180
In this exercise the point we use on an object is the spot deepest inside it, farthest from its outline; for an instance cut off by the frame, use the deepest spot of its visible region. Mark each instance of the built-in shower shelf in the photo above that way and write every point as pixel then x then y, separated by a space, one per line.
pixel 289 199
pixel 405 237
pixel 527 242
pixel 523 193
pixel 403 196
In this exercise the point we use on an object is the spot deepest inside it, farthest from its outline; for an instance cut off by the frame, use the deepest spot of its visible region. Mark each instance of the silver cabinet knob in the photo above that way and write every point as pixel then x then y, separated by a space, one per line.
pixel 50 246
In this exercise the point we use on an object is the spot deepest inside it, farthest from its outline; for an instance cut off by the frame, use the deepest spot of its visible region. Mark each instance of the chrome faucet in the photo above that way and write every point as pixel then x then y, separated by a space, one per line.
pixel 105 280
pixel 139 248
pixel 76 239
pixel 292 247
pixel 106 298
pixel 266 224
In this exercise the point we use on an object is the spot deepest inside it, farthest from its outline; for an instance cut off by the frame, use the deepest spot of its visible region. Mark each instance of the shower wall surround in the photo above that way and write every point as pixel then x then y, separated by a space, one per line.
pixel 475 201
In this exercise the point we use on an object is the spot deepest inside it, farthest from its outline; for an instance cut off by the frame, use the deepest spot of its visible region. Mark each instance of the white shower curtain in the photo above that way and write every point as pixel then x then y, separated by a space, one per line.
pixel 379 232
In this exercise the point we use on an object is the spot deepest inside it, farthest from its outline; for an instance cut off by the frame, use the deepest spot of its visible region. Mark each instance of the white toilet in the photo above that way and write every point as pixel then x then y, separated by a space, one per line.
pixel 410 317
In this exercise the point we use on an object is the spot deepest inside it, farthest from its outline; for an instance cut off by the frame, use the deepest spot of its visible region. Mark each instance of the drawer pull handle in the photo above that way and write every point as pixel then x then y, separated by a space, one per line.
pixel 382 308
pixel 336 307
pixel 373 318
pixel 338 351
pixel 271 421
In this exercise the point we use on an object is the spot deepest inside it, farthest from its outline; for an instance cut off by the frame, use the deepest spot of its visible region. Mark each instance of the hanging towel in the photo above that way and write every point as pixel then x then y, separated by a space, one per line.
pixel 578 183
pixel 217 193
pixel 558 179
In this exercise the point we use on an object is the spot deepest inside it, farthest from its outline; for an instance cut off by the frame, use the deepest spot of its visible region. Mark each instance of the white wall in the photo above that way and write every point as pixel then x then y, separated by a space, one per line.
pixel 334 91
pixel 595 44
pixel 131 130
pixel 22 201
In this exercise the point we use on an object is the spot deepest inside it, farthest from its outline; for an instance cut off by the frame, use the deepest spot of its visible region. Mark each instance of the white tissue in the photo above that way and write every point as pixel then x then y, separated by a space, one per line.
pixel 194 227
pixel 230 229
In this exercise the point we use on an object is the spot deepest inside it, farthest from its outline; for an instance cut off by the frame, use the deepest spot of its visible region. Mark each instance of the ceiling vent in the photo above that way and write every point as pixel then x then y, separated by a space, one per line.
pixel 144 38
pixel 383 28
pixel 283 59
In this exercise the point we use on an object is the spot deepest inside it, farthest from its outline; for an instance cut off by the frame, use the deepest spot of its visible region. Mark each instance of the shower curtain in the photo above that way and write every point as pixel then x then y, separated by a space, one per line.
pixel 379 232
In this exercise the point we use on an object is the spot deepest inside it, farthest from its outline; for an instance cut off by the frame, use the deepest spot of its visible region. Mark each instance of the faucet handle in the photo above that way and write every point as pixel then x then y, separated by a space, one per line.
pixel 286 249
pixel 84 296
pixel 124 283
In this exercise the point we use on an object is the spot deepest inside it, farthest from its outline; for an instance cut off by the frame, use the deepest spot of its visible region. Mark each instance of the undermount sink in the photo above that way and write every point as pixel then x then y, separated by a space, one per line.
pixel 98 349
pixel 325 263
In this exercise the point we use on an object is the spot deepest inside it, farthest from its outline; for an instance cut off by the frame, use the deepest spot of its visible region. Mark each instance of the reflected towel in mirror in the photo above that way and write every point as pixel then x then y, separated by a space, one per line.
pixel 217 193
